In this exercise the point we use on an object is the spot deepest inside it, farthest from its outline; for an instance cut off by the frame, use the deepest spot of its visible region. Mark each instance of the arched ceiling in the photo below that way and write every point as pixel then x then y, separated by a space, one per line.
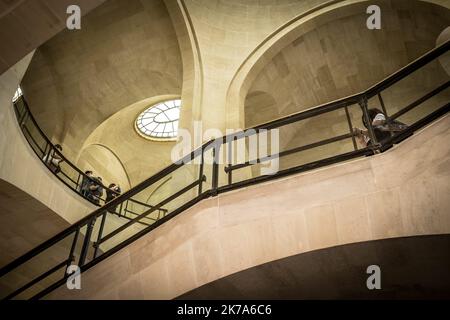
pixel 129 52
pixel 125 52
pixel 26 24
pixel 226 33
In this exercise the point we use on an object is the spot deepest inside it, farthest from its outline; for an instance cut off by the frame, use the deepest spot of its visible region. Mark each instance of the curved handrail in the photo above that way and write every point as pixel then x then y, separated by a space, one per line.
pixel 214 146
pixel 48 152
pixel 371 92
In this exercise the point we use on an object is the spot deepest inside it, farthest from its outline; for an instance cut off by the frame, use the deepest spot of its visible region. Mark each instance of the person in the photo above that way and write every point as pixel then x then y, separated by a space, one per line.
pixel 95 190
pixel 112 192
pixel 53 159
pixel 84 189
pixel 379 125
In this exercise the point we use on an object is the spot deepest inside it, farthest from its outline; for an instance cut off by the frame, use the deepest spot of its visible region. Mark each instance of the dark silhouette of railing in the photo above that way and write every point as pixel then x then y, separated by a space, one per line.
pixel 201 179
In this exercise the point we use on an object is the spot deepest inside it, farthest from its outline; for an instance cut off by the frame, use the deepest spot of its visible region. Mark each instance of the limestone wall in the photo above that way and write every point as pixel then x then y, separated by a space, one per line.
pixel 24 223
pixel 20 166
pixel 341 57
pixel 26 24
pixel 338 57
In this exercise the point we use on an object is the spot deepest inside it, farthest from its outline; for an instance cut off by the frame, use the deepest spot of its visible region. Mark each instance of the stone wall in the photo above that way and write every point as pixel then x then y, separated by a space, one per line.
pixel 19 164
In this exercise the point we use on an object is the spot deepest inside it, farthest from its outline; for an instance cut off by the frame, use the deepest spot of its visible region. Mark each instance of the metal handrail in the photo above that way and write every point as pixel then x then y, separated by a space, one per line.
pixel 50 147
pixel 215 145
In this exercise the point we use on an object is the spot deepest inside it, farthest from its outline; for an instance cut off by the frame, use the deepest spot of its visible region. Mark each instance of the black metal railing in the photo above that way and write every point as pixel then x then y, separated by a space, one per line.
pixel 65 170
pixel 320 136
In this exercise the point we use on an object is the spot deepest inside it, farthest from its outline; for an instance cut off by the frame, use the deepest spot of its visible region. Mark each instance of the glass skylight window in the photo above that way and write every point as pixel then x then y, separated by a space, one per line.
pixel 17 95
pixel 160 122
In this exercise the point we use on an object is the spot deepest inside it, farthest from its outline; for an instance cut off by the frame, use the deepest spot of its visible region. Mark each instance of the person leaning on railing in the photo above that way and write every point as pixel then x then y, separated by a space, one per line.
pixel 382 128
pixel 53 159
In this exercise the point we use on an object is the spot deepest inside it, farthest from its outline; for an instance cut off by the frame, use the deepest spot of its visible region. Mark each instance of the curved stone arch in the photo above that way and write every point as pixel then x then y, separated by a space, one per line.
pixel 118 133
pixel 121 163
pixel 109 75
pixel 120 178
pixel 275 42
pixel 192 88
pixel 51 114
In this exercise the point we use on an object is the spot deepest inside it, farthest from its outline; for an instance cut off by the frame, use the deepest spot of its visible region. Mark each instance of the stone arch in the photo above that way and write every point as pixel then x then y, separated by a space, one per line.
pixel 191 94
pixel 105 163
pixel 287 34
pixel 140 157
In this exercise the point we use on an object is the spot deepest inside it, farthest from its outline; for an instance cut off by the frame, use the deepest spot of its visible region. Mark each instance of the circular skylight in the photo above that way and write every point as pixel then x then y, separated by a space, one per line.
pixel 160 122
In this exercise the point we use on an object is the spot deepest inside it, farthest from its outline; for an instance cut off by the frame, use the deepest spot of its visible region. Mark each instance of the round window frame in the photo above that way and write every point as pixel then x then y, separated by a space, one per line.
pixel 151 138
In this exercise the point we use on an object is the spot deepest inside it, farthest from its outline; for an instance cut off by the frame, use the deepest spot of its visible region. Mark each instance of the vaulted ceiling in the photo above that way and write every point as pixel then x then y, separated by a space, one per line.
pixel 26 24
